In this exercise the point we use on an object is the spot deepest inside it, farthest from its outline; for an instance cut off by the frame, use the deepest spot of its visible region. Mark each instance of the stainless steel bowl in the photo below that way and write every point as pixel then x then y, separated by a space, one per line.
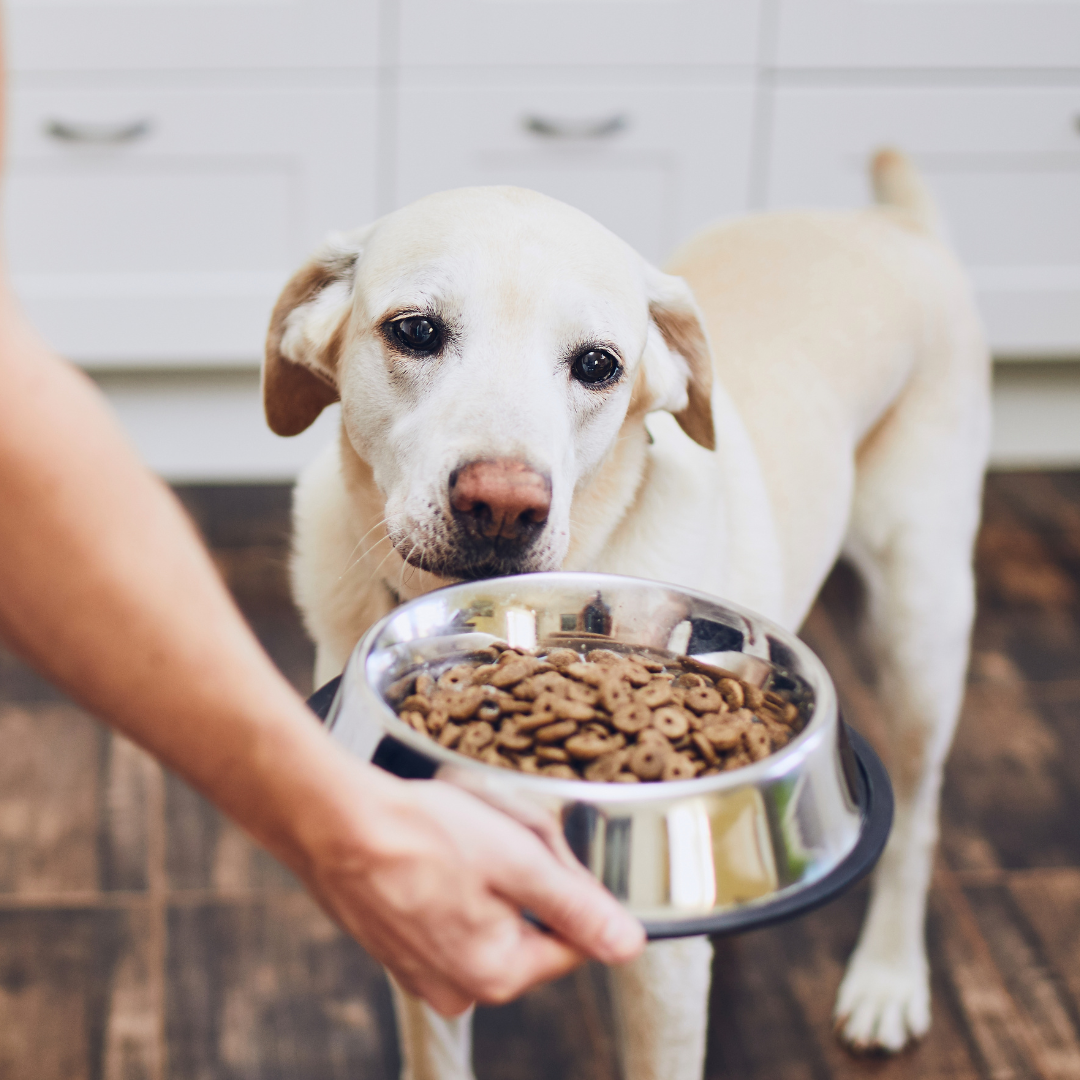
pixel 708 855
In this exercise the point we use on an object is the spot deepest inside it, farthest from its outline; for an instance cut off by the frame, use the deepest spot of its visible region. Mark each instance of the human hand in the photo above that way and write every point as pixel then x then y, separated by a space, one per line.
pixel 434 888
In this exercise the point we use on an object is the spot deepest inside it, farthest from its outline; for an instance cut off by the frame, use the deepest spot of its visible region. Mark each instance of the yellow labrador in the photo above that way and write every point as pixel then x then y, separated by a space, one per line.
pixel 521 391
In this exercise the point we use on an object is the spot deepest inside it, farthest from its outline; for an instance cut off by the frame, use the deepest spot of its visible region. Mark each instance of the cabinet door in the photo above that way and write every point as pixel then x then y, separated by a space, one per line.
pixel 928 33
pixel 593 32
pixel 650 164
pixel 151 35
pixel 1003 163
pixel 156 227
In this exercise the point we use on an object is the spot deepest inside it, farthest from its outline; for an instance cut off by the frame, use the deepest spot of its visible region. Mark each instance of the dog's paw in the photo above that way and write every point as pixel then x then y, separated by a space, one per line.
pixel 883 1006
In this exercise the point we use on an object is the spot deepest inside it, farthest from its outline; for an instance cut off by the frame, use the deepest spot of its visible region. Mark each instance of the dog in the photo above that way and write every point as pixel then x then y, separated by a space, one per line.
pixel 521 391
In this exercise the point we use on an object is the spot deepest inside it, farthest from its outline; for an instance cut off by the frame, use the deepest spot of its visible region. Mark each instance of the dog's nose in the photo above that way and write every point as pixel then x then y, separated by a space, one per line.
pixel 501 499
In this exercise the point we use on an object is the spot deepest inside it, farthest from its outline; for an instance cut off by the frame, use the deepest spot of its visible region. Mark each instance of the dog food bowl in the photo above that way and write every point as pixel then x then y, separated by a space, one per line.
pixel 714 854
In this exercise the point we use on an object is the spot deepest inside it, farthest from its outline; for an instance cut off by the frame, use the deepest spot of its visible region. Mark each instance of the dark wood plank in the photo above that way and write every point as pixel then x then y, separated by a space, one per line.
pixel 757 1027
pixel 50 796
pixel 1060 712
pixel 131 781
pixel 272 990
pixel 206 851
pixel 247 529
pixel 1049 503
pixel 561 1031
pixel 1018 562
pixel 1050 902
pixel 1029 583
pixel 1003 1038
pixel 814 953
pixel 75 996
pixel 1005 780
pixel 1029 980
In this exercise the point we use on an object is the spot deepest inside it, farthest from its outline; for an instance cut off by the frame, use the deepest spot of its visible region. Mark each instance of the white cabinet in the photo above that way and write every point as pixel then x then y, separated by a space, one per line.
pixel 593 33
pixel 156 35
pixel 651 163
pixel 171 162
pixel 150 226
pixel 928 33
pixel 1003 162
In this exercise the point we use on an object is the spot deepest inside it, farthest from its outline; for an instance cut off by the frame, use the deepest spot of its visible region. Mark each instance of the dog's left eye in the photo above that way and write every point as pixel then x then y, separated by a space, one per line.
pixel 594 366
pixel 418 333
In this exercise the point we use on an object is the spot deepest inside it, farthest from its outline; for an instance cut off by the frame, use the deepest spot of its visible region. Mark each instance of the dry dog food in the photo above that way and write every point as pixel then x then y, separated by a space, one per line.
pixel 604 716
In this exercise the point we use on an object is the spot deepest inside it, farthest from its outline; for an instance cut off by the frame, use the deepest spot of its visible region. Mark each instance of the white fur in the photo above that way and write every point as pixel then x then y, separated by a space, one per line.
pixel 850 406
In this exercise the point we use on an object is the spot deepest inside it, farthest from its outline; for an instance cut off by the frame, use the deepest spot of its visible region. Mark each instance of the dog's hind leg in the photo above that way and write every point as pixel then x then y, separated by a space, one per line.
pixel 661 1005
pixel 912 532
pixel 433 1047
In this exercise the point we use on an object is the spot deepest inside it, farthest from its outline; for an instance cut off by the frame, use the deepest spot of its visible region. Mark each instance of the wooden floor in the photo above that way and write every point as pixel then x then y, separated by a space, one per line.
pixel 142 937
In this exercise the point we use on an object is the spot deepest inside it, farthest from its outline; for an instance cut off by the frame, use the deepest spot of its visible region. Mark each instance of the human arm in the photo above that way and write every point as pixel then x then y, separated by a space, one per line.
pixel 105 588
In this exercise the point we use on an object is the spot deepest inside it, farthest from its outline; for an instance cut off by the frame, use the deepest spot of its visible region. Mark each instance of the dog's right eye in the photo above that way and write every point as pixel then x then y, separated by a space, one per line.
pixel 418 333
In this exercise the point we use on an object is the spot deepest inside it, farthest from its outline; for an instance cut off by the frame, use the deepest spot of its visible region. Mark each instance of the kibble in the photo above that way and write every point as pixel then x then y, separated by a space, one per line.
pixel 607 717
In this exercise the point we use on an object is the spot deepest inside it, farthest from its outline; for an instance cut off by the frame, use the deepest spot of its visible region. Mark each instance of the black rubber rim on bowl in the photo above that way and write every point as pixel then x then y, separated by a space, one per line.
pixel 875 799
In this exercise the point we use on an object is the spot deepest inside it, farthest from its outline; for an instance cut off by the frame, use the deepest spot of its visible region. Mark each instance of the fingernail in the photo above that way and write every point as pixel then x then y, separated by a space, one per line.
pixel 622 937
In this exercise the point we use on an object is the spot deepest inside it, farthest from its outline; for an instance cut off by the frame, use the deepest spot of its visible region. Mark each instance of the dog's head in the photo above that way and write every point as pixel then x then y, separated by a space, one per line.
pixel 487 346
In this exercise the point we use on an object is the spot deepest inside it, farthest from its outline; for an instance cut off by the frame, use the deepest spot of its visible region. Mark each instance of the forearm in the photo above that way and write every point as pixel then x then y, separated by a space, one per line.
pixel 105 589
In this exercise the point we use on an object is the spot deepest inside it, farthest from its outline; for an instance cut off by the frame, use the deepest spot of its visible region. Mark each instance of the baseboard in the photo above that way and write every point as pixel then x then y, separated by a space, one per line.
pixel 208 426
pixel 1036 415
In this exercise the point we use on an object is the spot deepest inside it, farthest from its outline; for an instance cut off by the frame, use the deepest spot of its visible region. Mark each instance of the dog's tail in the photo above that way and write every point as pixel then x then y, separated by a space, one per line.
pixel 897 183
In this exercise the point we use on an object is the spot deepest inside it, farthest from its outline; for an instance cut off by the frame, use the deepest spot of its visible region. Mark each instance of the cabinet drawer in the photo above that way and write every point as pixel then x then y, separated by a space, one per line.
pixel 1004 165
pixel 87 35
pixel 593 32
pixel 169 242
pixel 650 164
pixel 928 33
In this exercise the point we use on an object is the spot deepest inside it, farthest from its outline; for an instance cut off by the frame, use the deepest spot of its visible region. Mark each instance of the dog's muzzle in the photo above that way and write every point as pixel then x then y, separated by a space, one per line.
pixel 498 510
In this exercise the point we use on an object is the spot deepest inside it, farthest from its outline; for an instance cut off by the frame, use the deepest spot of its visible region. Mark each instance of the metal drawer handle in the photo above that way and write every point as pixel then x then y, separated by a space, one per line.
pixel 98 134
pixel 575 129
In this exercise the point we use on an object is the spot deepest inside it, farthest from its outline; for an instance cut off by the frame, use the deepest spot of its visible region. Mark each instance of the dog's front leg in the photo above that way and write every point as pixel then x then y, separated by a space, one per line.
pixel 662 1010
pixel 432 1046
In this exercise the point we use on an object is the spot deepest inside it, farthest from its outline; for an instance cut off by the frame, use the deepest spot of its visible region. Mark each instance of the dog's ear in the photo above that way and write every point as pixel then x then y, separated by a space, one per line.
pixel 307 332
pixel 678 362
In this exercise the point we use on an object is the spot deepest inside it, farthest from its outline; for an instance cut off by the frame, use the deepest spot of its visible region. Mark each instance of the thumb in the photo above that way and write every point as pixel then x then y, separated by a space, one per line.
pixel 573 905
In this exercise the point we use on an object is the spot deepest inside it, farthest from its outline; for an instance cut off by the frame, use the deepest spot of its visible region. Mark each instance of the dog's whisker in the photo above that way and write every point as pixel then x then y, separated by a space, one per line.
pixel 361 558
pixel 382 521
pixel 406 567
pixel 356 546
pixel 382 562
pixel 375 572
pixel 404 563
